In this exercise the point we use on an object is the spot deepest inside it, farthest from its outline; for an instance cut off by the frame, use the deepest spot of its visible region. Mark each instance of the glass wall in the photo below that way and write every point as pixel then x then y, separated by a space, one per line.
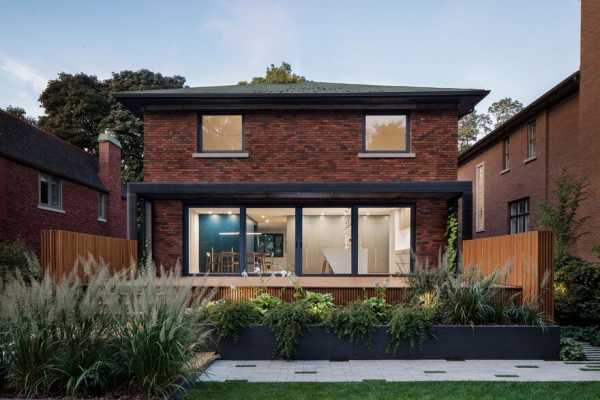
pixel 270 240
pixel 384 238
pixel 214 240
pixel 326 241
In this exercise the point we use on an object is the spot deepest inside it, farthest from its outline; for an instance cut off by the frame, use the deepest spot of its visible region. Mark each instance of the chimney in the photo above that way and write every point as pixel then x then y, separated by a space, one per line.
pixel 109 172
pixel 589 119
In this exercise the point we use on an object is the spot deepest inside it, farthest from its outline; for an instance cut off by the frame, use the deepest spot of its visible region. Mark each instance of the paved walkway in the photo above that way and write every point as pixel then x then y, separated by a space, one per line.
pixel 401 370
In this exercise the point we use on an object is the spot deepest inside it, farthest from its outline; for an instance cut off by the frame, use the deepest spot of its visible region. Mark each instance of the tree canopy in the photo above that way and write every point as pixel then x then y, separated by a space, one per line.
pixel 504 109
pixel 79 107
pixel 281 74
pixel 20 113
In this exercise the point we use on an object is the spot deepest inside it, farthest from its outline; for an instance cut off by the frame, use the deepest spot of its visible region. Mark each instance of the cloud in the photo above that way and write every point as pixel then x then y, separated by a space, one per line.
pixel 24 73
pixel 259 33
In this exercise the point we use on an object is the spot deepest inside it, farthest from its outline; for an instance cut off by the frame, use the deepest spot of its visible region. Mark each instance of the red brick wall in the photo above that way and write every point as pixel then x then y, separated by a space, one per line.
pixel 109 172
pixel 299 146
pixel 25 220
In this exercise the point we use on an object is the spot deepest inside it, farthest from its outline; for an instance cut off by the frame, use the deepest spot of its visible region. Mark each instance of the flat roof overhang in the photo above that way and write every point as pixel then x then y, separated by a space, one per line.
pixel 278 191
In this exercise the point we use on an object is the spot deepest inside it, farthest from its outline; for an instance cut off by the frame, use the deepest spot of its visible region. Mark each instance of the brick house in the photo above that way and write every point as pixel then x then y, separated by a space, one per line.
pixel 514 167
pixel 312 178
pixel 47 183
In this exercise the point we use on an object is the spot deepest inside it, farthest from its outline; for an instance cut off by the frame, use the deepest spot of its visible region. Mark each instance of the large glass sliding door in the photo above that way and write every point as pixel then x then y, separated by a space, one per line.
pixel 309 240
pixel 326 241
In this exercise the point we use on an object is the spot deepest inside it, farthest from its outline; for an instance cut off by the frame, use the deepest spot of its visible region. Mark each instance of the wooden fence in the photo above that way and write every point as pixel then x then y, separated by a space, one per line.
pixel 62 251
pixel 526 259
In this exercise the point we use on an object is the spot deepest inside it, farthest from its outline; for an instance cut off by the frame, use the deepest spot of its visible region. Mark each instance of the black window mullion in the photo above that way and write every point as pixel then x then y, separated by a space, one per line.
pixel 354 240
pixel 298 244
pixel 242 244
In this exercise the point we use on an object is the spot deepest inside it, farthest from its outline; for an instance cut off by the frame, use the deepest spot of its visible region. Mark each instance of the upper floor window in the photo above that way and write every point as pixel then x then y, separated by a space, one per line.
pixel 480 197
pixel 102 207
pixel 386 133
pixel 220 133
pixel 518 216
pixel 531 140
pixel 506 154
pixel 50 192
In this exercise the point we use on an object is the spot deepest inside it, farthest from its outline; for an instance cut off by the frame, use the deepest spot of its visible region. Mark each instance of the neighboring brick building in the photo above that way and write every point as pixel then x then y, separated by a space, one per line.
pixel 558 131
pixel 47 183
pixel 308 178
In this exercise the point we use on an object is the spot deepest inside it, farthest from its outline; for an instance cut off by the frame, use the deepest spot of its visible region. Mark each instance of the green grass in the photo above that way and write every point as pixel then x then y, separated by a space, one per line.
pixel 396 391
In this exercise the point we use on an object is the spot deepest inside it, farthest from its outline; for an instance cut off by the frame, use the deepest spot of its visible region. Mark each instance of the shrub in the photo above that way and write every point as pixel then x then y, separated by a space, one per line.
pixel 426 280
pixel 355 321
pixel 14 260
pixel 570 350
pixel 577 293
pixel 589 334
pixel 526 314
pixel 410 324
pixel 380 307
pixel 229 317
pixel 468 299
pixel 265 302
pixel 66 338
pixel 319 305
pixel 288 321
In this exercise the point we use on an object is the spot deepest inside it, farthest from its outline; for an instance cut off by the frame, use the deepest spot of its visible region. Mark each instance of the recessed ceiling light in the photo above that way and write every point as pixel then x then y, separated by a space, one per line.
pixel 229 212
pixel 262 216
pixel 267 221
pixel 210 212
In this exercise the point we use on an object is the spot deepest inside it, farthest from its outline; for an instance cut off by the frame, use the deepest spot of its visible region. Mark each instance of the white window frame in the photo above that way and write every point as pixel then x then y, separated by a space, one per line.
pixel 480 197
pixel 102 201
pixel 49 206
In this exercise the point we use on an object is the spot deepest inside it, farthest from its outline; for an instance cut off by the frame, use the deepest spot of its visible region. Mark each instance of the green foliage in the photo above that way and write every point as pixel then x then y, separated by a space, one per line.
pixel 468 299
pixel 503 109
pixel 472 126
pixel 590 334
pixel 577 293
pixel 20 113
pixel 288 321
pixel 561 214
pixel 427 280
pixel 14 259
pixel 79 107
pixel 115 332
pixel 452 238
pixel 230 317
pixel 410 324
pixel 570 350
pixel 526 314
pixel 319 305
pixel 380 308
pixel 265 302
pixel 281 74
pixel 356 321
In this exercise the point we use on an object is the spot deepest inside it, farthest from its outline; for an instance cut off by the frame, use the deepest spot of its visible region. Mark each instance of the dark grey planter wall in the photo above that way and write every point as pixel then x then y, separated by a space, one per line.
pixel 480 342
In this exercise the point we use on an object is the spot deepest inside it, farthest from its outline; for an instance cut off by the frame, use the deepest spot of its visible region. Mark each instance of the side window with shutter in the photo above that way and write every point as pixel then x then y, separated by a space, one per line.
pixel 480 197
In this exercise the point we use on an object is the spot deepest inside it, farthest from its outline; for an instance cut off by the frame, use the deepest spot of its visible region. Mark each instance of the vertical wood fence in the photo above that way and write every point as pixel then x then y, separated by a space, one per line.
pixel 62 250
pixel 527 259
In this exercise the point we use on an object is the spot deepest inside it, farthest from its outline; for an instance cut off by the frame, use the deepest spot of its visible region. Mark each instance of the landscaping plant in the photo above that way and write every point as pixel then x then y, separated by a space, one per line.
pixel 265 302
pixel 577 293
pixel 355 322
pixel 319 305
pixel 289 321
pixel 570 350
pixel 410 324
pixel 230 317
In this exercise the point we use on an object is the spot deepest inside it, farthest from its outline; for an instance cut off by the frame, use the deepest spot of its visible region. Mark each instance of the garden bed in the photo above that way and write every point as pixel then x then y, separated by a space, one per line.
pixel 448 342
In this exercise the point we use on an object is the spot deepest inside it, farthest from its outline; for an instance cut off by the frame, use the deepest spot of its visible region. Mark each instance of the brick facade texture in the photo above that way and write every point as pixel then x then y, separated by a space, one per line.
pixel 568 139
pixel 20 217
pixel 298 146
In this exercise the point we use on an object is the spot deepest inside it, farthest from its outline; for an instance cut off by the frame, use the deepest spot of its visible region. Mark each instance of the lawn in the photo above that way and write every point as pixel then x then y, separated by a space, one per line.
pixel 396 391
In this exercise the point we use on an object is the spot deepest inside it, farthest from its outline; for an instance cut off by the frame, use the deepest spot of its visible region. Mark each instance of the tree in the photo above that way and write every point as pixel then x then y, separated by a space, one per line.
pixel 79 107
pixel 20 113
pixel 561 216
pixel 470 127
pixel 503 109
pixel 281 74
pixel 75 106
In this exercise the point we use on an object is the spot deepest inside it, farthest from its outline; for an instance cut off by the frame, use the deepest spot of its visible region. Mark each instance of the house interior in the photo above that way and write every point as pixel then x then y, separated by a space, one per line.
pixel 384 240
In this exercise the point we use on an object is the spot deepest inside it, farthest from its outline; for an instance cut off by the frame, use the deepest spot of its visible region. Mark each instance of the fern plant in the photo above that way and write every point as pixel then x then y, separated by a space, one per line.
pixel 410 324
pixel 355 321
pixel 288 321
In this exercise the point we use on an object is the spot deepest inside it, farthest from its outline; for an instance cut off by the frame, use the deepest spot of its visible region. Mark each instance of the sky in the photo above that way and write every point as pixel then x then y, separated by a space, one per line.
pixel 515 48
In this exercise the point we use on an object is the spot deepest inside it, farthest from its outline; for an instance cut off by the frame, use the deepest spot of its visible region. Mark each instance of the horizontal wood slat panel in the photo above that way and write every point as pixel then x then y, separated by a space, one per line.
pixel 62 251
pixel 526 260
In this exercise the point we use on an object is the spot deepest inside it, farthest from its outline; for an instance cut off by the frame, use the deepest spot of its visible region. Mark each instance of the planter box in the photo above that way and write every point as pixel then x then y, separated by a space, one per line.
pixel 449 342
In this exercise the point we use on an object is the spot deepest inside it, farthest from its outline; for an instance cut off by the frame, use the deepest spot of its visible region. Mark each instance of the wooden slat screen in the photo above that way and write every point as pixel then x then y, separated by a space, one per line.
pixel 526 257
pixel 61 251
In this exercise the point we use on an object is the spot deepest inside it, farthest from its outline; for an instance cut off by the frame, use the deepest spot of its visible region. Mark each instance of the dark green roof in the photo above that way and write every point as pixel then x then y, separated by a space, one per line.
pixel 298 95
pixel 307 88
